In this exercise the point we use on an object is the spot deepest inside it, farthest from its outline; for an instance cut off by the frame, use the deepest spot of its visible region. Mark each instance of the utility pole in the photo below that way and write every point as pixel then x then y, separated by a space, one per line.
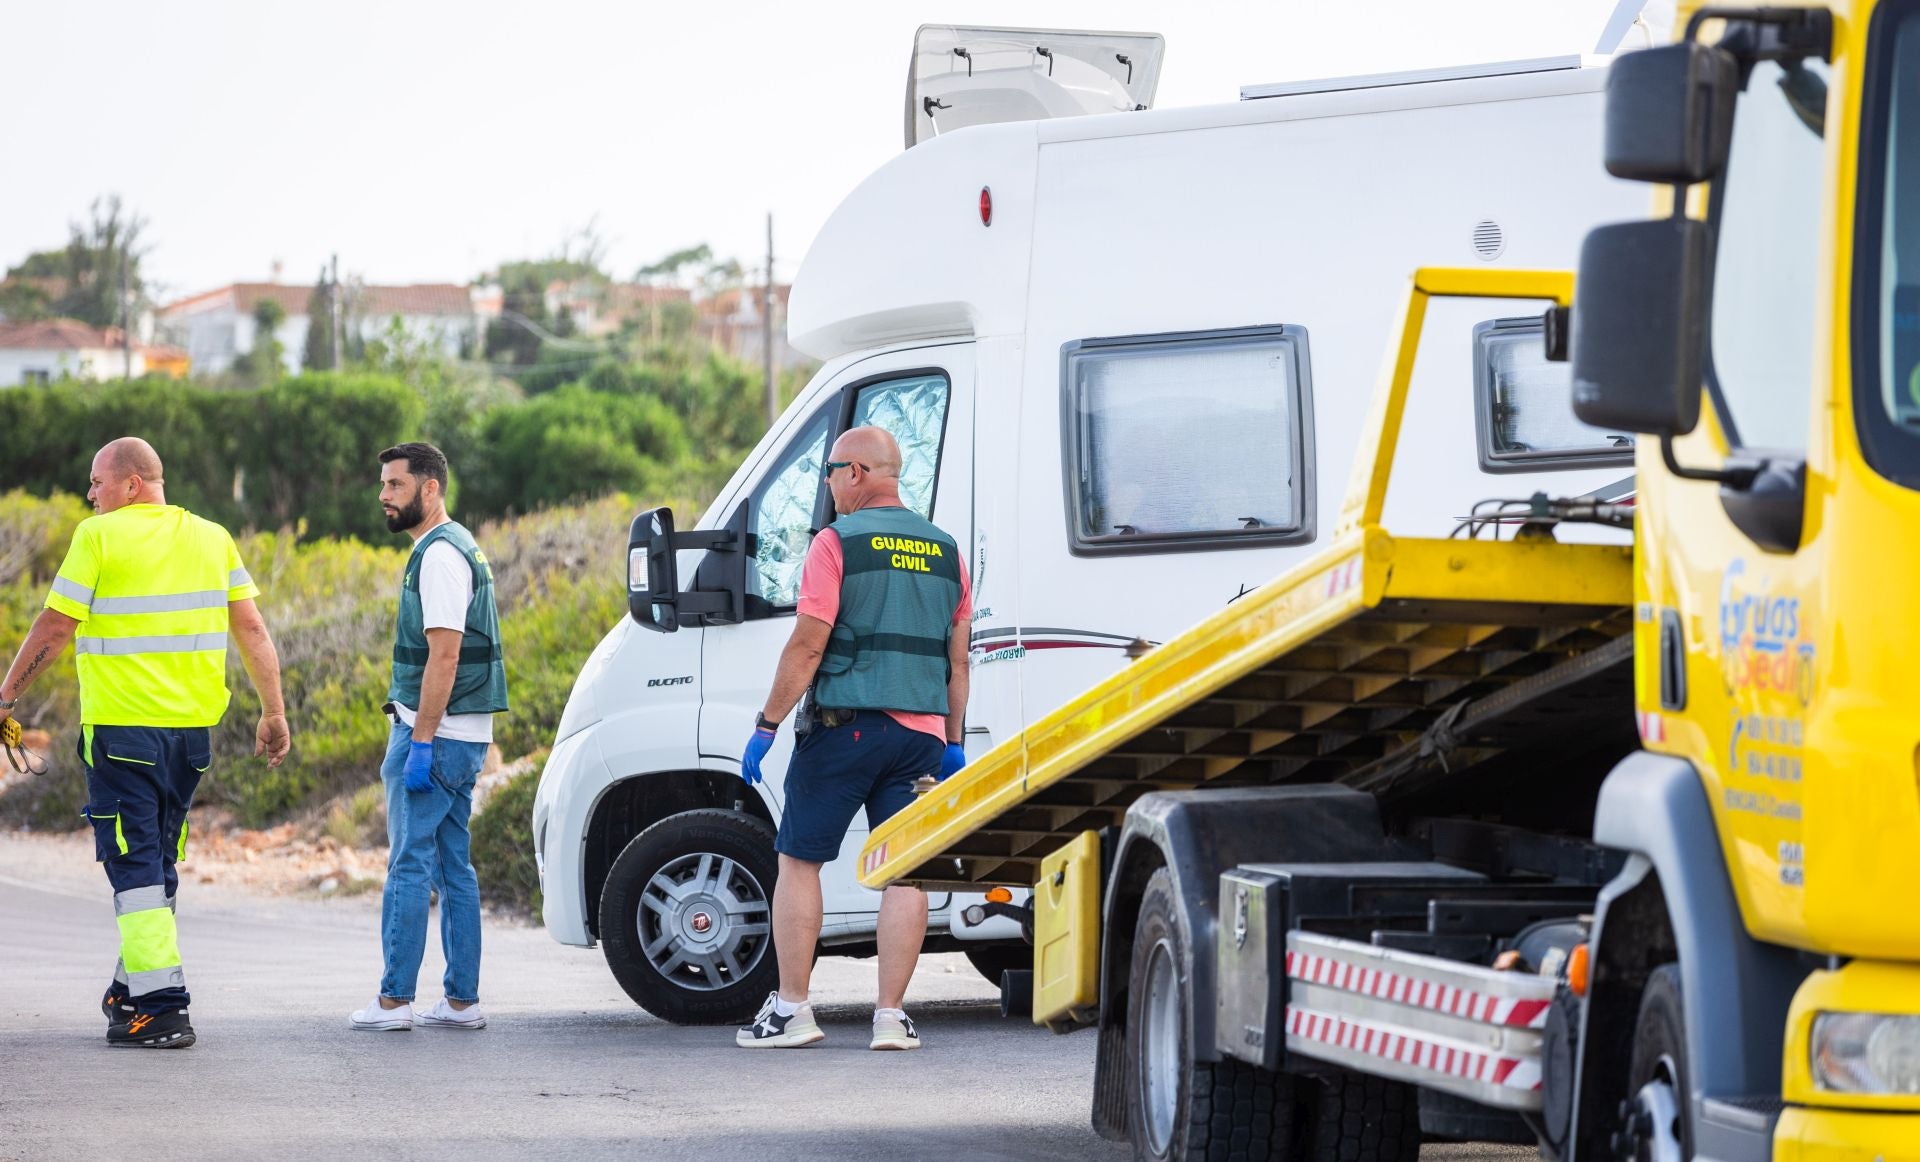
pixel 333 309
pixel 126 314
pixel 766 331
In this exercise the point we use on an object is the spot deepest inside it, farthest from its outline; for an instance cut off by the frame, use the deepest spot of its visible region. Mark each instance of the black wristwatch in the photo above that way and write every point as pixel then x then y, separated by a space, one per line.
pixel 760 721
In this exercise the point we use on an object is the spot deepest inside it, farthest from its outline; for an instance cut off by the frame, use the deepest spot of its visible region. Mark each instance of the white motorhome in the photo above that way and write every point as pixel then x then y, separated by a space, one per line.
pixel 1127 357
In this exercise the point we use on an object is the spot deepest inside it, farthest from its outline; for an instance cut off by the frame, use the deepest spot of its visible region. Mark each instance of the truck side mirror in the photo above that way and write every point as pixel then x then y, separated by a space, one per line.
pixel 1670 113
pixel 1639 326
pixel 653 573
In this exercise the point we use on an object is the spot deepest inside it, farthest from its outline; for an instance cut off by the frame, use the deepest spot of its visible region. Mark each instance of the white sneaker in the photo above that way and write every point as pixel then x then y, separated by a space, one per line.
pixel 770 1030
pixel 376 1019
pixel 891 1032
pixel 445 1016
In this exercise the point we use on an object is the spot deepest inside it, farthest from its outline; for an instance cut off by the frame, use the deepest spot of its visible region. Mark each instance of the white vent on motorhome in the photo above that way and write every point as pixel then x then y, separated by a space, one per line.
pixel 1488 239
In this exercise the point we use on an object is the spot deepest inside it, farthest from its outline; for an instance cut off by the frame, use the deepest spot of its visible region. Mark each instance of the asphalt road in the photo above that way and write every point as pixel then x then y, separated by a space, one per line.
pixel 569 1068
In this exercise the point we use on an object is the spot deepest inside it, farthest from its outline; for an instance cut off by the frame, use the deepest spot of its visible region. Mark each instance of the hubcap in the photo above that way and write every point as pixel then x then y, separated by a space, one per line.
pixel 1652 1129
pixel 704 922
pixel 1160 1048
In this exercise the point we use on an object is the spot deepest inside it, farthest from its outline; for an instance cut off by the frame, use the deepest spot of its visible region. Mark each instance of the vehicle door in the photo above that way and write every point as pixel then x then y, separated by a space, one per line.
pixel 924 397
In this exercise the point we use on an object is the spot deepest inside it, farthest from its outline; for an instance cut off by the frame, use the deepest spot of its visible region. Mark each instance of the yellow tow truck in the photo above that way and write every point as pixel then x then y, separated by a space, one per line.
pixel 1498 837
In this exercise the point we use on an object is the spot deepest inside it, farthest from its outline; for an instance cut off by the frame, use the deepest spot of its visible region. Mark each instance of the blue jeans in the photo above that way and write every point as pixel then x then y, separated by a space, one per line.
pixel 430 848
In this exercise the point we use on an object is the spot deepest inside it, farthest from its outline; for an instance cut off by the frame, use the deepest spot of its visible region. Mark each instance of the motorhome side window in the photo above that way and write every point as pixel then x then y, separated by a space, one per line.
pixel 783 508
pixel 1187 441
pixel 914 409
pixel 1523 405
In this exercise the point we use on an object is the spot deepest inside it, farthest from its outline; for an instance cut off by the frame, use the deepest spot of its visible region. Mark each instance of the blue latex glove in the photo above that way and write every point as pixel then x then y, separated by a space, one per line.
pixel 420 767
pixel 757 748
pixel 953 759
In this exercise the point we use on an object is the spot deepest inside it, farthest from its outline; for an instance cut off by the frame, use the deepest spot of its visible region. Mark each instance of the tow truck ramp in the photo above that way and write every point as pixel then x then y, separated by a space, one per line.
pixel 1353 667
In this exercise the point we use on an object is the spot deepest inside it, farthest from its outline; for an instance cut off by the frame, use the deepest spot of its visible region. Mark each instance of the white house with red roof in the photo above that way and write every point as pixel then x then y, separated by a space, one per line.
pixel 218 326
pixel 44 350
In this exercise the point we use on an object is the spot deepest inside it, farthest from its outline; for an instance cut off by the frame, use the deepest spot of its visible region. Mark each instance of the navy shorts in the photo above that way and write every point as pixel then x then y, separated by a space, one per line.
pixel 871 761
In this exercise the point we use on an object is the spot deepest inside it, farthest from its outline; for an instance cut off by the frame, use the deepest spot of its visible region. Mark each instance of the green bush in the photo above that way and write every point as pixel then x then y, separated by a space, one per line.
pixel 300 454
pixel 311 456
pixel 503 845
pixel 572 444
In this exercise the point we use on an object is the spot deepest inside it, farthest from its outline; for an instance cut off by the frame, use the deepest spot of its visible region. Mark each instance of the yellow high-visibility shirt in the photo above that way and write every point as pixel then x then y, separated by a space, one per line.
pixel 149 585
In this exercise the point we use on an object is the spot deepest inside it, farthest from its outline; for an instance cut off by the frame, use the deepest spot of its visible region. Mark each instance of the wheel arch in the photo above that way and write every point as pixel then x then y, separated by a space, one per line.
pixel 631 805
pixel 1674 901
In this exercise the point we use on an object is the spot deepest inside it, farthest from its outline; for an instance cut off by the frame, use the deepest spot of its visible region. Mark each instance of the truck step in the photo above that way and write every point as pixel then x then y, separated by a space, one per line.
pixel 1455 1027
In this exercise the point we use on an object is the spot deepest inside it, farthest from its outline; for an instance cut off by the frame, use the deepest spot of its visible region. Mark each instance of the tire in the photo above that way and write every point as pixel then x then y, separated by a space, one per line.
pixel 991 960
pixel 1360 1118
pixel 686 917
pixel 1226 1111
pixel 1657 1123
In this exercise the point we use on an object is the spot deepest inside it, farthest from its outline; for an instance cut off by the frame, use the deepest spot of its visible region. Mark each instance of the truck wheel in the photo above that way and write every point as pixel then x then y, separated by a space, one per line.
pixel 1361 1118
pixel 686 917
pixel 991 960
pixel 1178 1109
pixel 1655 1123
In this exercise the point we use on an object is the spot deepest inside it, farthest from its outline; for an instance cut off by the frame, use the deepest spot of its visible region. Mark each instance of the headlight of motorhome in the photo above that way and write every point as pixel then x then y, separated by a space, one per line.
pixel 1874 1053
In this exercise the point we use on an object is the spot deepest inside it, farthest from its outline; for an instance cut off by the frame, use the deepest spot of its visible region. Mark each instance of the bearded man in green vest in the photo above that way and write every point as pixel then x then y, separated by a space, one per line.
pixel 448 683
pixel 881 638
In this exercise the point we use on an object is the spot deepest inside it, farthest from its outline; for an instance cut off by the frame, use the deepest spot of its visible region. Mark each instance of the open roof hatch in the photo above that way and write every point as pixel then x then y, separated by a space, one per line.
pixel 982 76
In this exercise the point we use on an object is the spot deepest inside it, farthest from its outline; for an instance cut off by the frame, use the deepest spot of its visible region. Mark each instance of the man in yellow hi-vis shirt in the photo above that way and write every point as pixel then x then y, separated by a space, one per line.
pixel 148 595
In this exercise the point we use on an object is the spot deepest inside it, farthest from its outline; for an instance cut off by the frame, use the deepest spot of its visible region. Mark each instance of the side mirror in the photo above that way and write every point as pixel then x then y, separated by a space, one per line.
pixel 653 572
pixel 1639 327
pixel 1670 113
pixel 654 598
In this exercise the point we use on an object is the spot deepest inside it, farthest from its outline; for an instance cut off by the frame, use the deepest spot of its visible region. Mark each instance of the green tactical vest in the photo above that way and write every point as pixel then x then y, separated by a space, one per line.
pixel 479 681
pixel 899 588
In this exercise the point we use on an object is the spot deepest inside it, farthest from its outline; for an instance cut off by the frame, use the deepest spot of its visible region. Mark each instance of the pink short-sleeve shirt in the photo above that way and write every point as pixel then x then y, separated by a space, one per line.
pixel 820 597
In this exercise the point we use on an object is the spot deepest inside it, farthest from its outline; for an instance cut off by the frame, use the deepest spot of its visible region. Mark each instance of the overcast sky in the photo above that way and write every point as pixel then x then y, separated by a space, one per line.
pixel 425 142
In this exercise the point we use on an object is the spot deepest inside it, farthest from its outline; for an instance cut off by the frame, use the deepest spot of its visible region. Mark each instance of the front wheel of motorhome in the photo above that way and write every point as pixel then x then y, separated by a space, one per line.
pixel 686 917
pixel 1178 1109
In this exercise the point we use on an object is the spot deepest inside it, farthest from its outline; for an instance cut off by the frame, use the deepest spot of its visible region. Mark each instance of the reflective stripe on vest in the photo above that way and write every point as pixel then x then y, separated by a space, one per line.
pixel 168 643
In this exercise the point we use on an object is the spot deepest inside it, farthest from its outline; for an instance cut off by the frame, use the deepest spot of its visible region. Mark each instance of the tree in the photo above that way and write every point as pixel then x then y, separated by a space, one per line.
pixel 84 280
pixel 21 301
pixel 266 361
pixel 525 324
pixel 320 305
pixel 457 396
pixel 666 272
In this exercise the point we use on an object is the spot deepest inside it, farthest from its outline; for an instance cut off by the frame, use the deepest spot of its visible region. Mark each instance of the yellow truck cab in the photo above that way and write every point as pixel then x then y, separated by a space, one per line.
pixel 1776 544
pixel 1492 835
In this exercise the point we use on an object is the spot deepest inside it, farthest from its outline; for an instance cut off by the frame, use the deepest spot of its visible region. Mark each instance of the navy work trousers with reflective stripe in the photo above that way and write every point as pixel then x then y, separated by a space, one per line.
pixel 140 782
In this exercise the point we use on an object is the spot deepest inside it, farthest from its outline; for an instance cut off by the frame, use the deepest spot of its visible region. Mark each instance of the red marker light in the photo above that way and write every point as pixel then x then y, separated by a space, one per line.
pixel 986 206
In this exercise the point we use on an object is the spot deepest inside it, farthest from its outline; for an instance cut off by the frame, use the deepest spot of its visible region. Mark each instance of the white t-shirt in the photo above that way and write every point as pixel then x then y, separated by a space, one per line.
pixel 446 586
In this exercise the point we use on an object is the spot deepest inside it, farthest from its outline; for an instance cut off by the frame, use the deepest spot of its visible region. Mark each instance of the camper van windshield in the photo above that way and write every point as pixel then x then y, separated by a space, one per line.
pixel 1887 292
pixel 1188 440
pixel 1765 279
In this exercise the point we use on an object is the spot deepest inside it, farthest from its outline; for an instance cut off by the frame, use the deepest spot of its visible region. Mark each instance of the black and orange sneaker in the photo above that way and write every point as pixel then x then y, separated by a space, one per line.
pixel 168 1030
pixel 118 1006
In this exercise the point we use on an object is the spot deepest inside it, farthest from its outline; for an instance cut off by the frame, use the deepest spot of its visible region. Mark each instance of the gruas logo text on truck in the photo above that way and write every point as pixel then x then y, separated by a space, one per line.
pixel 1765 647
